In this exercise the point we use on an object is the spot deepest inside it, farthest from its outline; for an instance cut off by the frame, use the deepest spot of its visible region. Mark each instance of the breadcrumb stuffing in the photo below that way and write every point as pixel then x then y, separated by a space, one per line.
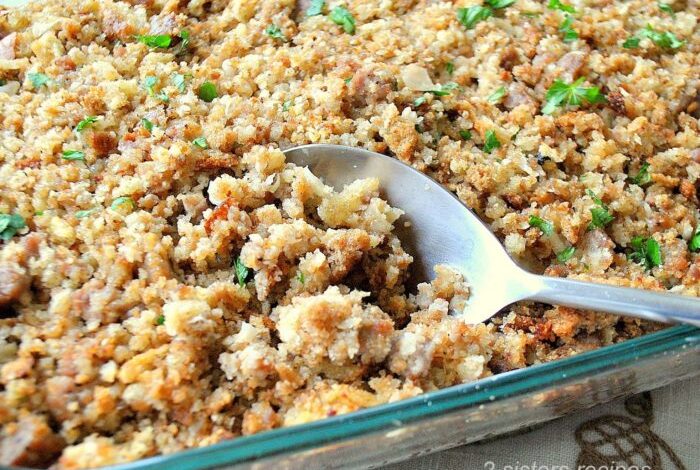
pixel 175 282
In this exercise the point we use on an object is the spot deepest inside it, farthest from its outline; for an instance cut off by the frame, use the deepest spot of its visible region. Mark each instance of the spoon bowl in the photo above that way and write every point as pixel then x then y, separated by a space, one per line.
pixel 437 228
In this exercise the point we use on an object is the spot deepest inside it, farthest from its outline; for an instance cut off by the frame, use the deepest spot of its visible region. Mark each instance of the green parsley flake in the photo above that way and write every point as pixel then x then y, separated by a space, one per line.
pixel 286 105
pixel 180 81
pixel 242 272
pixel 38 79
pixel 161 41
pixel 694 243
pixel 498 4
pixel 207 92
pixel 443 90
pixel 557 5
pixel 419 101
pixel 275 32
pixel 665 39
pixel 631 43
pixel 643 177
pixel 570 33
pixel 561 94
pixel 544 225
pixel 497 95
pixel 300 277
pixel 184 42
pixel 10 224
pixel 666 8
pixel 73 155
pixel 85 213
pixel 600 217
pixel 315 8
pixel 646 251
pixel 201 142
pixel 465 134
pixel 149 84
pixel 469 17
pixel 342 17
pixel 123 200
pixel 491 141
pixel 88 121
pixel 160 320
pixel 148 125
pixel 450 68
pixel 565 255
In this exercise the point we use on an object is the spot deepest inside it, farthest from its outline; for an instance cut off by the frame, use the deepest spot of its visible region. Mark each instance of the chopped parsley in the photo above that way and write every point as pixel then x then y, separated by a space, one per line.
pixel 491 141
pixel 443 90
pixel 73 155
pixel 565 255
pixel 201 142
pixel 465 134
pixel 207 92
pixel 88 121
pixel 10 224
pixel 161 41
pixel 275 32
pixel 600 217
pixel 631 43
pixel 694 243
pixel 469 17
pixel 665 7
pixel 665 39
pixel 315 8
pixel 38 79
pixel 643 177
pixel 342 17
pixel 184 42
pixel 497 95
pixel 300 277
pixel 85 213
pixel 241 272
pixel 557 5
pixel 450 68
pixel 562 94
pixel 646 251
pixel 160 320
pixel 123 200
pixel 570 33
pixel 148 125
pixel 286 105
pixel 149 84
pixel 180 81
pixel 544 225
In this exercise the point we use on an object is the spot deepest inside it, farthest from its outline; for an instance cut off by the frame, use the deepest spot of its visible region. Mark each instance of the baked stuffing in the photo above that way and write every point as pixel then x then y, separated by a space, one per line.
pixel 168 281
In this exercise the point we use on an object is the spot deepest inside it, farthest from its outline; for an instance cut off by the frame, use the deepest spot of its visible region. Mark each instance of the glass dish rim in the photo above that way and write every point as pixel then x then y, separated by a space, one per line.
pixel 508 384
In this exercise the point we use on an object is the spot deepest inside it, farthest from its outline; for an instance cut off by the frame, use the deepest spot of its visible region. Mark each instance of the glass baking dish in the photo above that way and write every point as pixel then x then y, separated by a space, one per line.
pixel 459 414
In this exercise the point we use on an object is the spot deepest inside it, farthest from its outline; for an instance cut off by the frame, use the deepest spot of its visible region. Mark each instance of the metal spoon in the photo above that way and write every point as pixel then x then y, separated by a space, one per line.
pixel 442 230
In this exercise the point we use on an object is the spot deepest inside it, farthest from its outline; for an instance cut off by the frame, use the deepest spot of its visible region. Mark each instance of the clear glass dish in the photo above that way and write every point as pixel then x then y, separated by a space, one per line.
pixel 459 414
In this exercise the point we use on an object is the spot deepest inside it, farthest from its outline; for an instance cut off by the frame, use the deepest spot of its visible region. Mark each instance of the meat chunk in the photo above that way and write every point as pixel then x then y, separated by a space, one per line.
pixel 7 46
pixel 12 283
pixel 366 88
pixel 30 443
pixel 571 64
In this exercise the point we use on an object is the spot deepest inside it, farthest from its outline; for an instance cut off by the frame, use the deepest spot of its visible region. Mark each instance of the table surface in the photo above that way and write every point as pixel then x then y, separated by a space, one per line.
pixel 657 430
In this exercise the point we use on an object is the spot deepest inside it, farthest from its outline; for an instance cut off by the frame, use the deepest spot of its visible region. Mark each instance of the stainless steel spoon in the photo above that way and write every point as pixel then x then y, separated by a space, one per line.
pixel 442 230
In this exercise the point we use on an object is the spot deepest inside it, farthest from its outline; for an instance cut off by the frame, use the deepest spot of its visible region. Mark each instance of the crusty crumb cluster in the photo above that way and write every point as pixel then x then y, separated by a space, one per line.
pixel 178 283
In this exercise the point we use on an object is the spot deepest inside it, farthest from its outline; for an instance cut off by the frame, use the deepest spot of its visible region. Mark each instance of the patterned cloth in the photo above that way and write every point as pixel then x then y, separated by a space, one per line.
pixel 659 430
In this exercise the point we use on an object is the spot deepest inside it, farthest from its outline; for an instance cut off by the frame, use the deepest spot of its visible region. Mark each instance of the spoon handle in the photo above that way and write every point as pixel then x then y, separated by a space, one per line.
pixel 656 306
